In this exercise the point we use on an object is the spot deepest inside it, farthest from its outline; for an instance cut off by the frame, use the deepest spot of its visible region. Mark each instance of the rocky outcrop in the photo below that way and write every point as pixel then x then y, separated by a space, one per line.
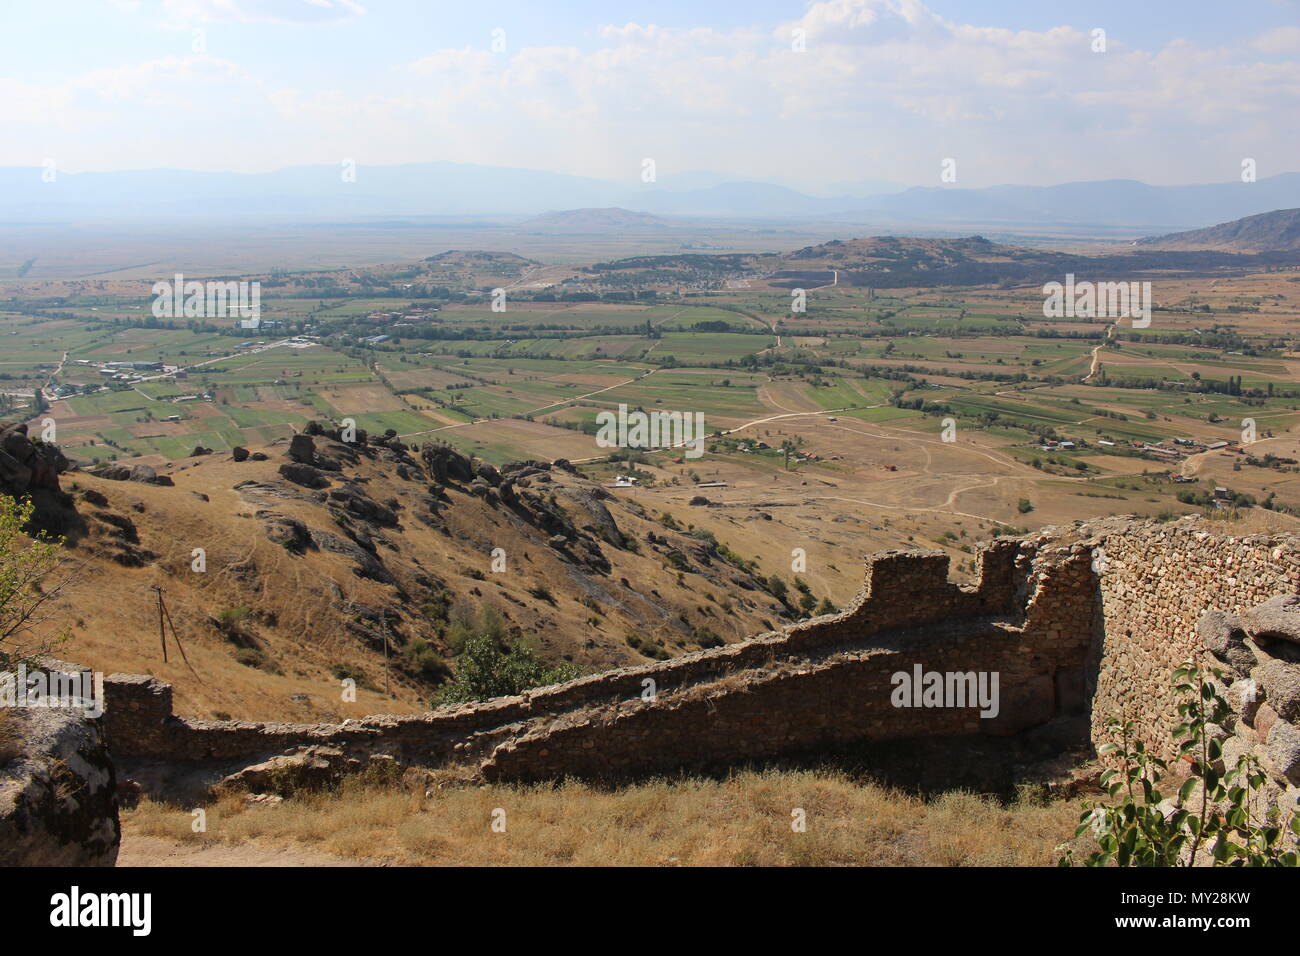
pixel 30 468
pixel 1266 703
pixel 141 473
pixel 304 768
pixel 600 522
pixel 308 476
pixel 302 449
pixel 445 464
pixel 58 793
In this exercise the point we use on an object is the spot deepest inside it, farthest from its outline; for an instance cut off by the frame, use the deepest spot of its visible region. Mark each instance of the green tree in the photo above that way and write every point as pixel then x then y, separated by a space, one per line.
pixel 26 566
pixel 493 664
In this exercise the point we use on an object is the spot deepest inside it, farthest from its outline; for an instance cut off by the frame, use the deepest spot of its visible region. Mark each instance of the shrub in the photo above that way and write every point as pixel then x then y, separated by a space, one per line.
pixel 348 672
pixel 25 597
pixel 424 659
pixel 1212 819
pixel 489 667
pixel 255 657
pixel 706 637
pixel 542 593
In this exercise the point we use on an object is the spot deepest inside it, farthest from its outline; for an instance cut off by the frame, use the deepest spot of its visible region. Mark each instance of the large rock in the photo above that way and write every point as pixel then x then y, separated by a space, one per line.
pixel 522 469
pixel 1280 681
pixel 1284 751
pixel 302 449
pixel 357 504
pixel 58 795
pixel 308 768
pixel 507 492
pixel 304 475
pixel 1277 618
pixel 446 464
pixel 367 563
pixel 146 475
pixel 141 473
pixel 28 464
pixel 31 469
pixel 1222 635
pixel 602 522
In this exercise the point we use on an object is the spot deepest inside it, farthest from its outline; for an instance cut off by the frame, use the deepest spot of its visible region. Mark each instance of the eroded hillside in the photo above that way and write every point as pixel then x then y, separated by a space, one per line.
pixel 290 567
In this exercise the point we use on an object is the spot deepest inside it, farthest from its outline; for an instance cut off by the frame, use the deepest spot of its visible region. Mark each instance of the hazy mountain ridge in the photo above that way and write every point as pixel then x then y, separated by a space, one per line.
pixel 31 194
pixel 1277 231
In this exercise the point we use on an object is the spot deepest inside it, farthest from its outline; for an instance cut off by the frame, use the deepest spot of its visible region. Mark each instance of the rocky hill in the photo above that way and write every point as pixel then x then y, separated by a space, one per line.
pixel 291 566
pixel 1277 231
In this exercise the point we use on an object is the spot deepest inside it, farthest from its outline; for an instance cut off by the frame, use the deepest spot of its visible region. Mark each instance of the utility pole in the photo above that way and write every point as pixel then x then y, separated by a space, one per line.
pixel 164 614
pixel 162 633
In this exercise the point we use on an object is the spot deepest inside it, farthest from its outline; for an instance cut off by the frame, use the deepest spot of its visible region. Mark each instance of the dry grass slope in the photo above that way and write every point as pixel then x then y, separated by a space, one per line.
pixel 743 820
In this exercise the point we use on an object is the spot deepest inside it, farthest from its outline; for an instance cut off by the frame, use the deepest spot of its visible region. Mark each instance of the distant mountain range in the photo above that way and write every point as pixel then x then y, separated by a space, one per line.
pixel 455 189
pixel 1277 231
pixel 587 220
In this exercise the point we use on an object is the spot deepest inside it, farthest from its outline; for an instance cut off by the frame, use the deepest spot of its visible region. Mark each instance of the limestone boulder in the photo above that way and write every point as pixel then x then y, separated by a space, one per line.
pixel 1280 681
pixel 58 791
pixel 1223 636
pixel 1284 751
pixel 1277 618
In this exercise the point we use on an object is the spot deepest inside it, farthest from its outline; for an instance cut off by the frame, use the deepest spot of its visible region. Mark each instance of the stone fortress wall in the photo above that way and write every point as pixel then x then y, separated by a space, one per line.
pixel 1078 622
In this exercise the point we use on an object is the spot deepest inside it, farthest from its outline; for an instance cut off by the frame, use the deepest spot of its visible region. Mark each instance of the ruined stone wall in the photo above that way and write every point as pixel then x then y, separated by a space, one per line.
pixel 1078 622
pixel 1155 582
pixel 821 682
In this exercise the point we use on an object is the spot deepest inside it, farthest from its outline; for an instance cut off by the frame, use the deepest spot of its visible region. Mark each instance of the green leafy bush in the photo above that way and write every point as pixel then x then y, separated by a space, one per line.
pixel 491 664
pixel 1214 818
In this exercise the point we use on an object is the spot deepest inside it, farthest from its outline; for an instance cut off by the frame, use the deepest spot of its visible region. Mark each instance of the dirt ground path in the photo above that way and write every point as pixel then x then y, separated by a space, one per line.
pixel 155 851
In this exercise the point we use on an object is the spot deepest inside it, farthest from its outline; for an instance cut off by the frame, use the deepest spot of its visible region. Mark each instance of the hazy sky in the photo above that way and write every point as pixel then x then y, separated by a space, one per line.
pixel 884 89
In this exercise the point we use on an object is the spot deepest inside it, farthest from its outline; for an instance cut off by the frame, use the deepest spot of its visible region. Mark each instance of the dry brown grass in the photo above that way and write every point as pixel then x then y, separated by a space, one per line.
pixel 742 820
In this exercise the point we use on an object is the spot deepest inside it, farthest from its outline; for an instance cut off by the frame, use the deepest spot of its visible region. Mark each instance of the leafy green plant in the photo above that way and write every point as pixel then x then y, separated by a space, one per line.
pixel 1215 816
pixel 491 665
pixel 26 594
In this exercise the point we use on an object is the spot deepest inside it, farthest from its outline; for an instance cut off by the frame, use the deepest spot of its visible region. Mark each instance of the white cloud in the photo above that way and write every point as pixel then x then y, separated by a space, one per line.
pixel 1279 40
pixel 262 11
pixel 885 89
